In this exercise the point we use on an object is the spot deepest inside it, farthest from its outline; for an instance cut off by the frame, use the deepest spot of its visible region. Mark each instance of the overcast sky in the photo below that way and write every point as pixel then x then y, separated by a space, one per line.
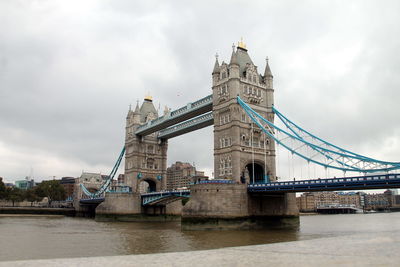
pixel 70 69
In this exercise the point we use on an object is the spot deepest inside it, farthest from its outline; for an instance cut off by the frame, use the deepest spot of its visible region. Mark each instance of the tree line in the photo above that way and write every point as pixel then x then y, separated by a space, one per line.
pixel 53 190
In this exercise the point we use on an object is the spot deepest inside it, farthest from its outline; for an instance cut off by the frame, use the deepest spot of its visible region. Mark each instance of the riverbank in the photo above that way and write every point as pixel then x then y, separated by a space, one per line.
pixel 369 249
pixel 38 211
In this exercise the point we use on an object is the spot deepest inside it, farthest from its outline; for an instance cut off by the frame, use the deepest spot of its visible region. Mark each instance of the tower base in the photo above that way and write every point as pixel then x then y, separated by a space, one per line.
pixel 118 205
pixel 230 206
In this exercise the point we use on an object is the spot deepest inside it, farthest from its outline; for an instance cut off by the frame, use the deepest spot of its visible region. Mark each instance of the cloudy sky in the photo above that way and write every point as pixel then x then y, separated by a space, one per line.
pixel 70 69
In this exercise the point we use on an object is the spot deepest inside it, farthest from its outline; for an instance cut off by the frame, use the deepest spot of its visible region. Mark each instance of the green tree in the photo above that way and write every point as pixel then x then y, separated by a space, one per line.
pixel 15 195
pixel 53 190
pixel 30 195
pixel 2 190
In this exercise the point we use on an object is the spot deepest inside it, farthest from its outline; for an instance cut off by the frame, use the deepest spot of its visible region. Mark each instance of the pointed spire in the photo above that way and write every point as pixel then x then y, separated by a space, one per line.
pixel 137 107
pixel 234 59
pixel 267 72
pixel 216 65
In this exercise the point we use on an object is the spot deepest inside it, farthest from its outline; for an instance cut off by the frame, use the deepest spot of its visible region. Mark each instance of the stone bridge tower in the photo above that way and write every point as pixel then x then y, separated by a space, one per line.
pixel 145 157
pixel 241 150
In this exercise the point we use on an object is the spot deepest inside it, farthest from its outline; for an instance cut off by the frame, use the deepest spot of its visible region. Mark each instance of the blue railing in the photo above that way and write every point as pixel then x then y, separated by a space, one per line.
pixel 149 198
pixel 216 181
pixel 349 183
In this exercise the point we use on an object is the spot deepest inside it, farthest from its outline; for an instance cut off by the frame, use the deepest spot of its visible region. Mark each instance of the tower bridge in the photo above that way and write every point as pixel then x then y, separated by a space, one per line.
pixel 242 112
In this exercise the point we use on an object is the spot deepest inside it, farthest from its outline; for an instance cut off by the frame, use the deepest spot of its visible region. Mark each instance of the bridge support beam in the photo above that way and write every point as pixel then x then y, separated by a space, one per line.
pixel 230 206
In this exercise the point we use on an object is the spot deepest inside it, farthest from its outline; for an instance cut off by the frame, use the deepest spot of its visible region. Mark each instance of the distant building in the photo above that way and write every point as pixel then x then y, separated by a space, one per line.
pixel 182 174
pixel 69 186
pixel 121 179
pixel 378 201
pixel 351 199
pixel 306 202
pixel 9 185
pixel 25 184
pixel 310 202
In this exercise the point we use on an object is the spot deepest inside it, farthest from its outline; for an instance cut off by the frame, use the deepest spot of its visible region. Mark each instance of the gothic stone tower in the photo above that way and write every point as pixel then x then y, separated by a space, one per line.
pixel 146 157
pixel 241 150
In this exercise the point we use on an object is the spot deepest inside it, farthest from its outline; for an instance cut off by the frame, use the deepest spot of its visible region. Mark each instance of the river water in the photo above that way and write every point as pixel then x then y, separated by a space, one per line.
pixel 43 237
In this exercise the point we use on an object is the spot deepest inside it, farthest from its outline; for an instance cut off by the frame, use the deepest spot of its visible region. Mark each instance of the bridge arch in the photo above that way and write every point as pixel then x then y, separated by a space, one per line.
pixel 259 172
pixel 92 189
pixel 147 185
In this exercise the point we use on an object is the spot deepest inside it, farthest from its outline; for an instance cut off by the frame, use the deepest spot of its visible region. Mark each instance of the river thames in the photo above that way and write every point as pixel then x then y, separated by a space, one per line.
pixel 44 237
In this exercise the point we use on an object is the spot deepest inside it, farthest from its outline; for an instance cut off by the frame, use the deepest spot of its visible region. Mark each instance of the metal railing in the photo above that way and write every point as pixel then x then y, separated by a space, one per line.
pixel 349 183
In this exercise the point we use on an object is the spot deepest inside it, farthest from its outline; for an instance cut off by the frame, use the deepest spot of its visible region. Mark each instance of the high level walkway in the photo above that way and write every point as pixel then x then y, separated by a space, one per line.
pixel 187 112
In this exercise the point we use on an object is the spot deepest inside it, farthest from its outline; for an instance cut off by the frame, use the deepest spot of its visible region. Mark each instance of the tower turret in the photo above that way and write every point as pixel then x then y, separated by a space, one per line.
pixel 136 114
pixel 147 111
pixel 268 77
pixel 234 65
pixel 216 70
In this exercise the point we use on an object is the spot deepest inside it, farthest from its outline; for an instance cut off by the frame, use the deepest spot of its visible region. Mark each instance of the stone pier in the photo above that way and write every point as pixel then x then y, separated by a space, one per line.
pixel 229 206
pixel 127 207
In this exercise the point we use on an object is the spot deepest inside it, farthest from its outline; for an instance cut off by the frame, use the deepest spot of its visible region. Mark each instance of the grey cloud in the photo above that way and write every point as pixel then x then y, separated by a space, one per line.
pixel 69 70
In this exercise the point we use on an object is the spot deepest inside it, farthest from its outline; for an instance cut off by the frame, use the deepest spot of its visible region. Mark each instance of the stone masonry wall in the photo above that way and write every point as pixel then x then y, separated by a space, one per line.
pixel 217 200
pixel 273 205
pixel 122 203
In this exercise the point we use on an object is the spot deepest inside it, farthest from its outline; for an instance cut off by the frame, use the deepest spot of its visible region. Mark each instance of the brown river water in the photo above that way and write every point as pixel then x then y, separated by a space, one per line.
pixel 43 237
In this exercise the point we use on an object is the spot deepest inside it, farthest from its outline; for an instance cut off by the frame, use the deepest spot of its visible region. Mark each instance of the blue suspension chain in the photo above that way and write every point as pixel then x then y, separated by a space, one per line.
pixel 251 113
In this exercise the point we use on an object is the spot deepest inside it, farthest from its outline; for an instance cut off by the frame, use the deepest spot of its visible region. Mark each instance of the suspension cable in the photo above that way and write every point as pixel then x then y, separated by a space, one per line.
pixel 265 158
pixel 252 149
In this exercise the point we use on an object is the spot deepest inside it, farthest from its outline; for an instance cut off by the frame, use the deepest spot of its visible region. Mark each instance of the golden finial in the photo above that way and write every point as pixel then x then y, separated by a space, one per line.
pixel 241 44
pixel 148 97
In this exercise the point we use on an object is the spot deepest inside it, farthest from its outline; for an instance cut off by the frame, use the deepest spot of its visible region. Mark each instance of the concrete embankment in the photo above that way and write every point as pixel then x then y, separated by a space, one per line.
pixel 38 211
pixel 369 249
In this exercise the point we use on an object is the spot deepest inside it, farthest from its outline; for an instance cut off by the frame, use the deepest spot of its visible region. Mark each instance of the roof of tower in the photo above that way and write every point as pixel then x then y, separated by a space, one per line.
pixel 216 66
pixel 234 59
pixel 137 108
pixel 243 59
pixel 267 72
pixel 146 108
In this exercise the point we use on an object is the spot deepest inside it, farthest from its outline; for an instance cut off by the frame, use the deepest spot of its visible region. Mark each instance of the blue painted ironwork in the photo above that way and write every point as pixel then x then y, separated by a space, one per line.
pixel 189 111
pixel 157 197
pixel 216 181
pixel 106 184
pixel 120 189
pixel 187 126
pixel 91 201
pixel 379 181
pixel 328 156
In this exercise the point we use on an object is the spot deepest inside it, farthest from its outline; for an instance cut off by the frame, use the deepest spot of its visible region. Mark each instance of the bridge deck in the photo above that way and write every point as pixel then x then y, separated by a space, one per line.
pixel 333 184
